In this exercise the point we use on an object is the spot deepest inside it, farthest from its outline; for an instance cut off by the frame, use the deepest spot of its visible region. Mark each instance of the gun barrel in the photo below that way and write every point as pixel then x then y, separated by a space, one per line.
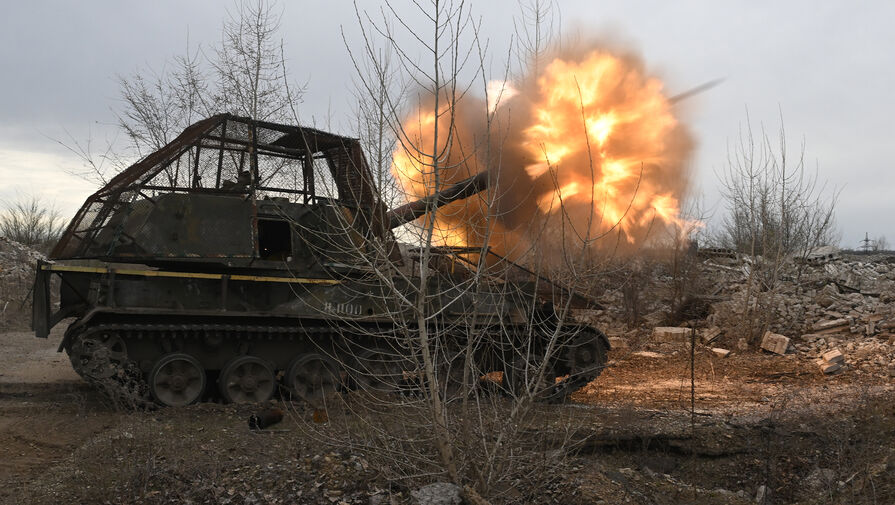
pixel 463 189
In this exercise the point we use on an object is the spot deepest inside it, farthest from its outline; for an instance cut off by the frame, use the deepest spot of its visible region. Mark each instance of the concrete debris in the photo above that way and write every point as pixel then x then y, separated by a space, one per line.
pixel 827 296
pixel 17 262
pixel 672 334
pixel 822 255
pixel 828 327
pixel 835 300
pixel 775 343
pixel 721 352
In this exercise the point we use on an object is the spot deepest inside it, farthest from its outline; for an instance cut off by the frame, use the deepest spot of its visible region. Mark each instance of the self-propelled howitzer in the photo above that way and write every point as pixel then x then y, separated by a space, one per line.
pixel 250 256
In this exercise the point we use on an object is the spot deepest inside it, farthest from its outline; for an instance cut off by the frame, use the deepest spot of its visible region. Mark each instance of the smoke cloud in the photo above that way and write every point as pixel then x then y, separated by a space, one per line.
pixel 587 156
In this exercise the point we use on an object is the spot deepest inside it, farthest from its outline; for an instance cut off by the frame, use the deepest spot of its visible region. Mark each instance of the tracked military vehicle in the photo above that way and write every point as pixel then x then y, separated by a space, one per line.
pixel 249 257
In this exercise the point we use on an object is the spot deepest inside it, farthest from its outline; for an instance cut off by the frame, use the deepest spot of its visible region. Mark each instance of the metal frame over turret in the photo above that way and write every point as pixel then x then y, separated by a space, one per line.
pixel 221 155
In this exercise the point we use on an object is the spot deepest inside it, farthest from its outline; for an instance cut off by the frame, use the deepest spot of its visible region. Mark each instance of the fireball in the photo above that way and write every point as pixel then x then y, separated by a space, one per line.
pixel 592 143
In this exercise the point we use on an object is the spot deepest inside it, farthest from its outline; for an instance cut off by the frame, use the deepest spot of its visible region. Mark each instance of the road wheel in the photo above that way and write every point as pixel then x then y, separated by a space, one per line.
pixel 313 376
pixel 177 379
pixel 379 370
pixel 247 379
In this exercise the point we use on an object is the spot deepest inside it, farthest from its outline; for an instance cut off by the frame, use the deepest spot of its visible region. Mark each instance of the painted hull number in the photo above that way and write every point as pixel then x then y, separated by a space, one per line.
pixel 351 309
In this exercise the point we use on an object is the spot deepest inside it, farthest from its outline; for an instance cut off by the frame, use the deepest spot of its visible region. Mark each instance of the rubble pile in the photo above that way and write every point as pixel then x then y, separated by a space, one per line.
pixel 17 263
pixel 17 260
pixel 831 301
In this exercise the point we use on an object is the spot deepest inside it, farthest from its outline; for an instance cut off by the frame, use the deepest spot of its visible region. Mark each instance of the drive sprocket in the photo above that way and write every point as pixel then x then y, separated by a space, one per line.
pixel 100 358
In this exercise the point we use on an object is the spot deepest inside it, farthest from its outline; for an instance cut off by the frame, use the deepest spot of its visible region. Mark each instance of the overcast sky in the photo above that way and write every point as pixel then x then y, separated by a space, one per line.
pixel 829 67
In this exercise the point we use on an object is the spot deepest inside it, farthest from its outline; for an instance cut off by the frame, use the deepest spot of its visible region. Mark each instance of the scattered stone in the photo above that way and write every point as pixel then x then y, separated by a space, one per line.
pixel 775 343
pixel 761 494
pixel 845 300
pixel 870 328
pixel 724 492
pixel 672 334
pixel 820 479
pixel 439 493
pixel 721 352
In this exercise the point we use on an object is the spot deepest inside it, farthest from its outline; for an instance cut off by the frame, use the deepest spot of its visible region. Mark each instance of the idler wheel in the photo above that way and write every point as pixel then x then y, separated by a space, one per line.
pixel 450 376
pixel 177 379
pixel 379 370
pixel 313 376
pixel 585 355
pixel 517 376
pixel 247 379
pixel 98 356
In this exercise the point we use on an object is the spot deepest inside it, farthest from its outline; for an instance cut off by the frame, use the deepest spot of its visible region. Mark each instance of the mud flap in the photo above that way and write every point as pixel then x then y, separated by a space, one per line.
pixel 40 302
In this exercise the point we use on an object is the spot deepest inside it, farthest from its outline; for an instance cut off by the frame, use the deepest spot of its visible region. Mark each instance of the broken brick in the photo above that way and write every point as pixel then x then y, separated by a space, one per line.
pixel 833 356
pixel 827 367
pixel 672 334
pixel 710 334
pixel 721 352
pixel 775 343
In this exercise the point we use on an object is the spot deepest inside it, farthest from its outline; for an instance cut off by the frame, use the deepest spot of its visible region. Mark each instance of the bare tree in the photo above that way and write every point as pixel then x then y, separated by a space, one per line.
pixel 777 211
pixel 245 74
pixel 464 324
pixel 378 88
pixel 32 222
pixel 249 63
pixel 536 33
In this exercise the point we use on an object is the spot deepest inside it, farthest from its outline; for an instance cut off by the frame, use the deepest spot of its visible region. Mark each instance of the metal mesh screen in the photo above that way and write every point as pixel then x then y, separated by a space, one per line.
pixel 223 154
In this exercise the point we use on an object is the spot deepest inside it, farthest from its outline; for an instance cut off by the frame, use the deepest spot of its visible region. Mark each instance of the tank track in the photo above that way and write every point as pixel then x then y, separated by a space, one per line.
pixel 581 374
pixel 125 384
pixel 575 373
pixel 120 381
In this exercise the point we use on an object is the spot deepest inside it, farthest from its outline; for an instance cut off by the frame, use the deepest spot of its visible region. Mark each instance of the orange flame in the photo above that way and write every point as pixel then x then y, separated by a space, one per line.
pixel 593 143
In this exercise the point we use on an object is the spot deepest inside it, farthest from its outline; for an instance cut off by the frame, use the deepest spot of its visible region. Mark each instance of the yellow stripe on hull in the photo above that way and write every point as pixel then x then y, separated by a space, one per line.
pixel 185 275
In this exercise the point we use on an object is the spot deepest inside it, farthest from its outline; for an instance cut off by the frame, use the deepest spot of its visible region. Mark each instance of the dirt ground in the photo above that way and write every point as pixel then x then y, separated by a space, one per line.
pixel 760 422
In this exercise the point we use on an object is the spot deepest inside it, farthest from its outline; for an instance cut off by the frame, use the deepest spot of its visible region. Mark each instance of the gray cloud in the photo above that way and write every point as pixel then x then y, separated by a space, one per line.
pixel 828 67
